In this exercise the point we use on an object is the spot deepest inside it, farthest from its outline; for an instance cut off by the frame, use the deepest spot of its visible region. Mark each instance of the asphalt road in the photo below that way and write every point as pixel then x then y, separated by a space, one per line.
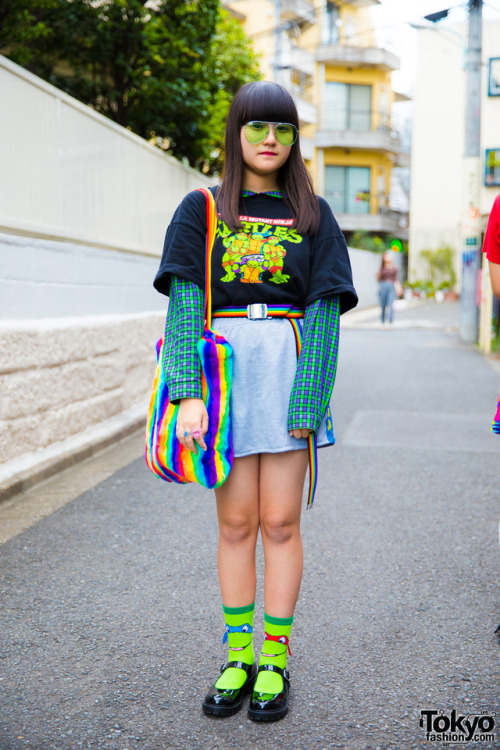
pixel 110 620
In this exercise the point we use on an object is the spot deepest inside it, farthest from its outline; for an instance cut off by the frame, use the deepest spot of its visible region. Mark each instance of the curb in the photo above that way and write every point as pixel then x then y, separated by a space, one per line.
pixel 21 473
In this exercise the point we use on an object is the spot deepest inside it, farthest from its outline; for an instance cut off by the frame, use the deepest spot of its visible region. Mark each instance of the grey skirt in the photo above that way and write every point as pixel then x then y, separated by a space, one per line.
pixel 264 366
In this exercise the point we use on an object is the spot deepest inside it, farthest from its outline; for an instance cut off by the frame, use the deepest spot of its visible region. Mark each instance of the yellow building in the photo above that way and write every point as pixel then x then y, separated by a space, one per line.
pixel 325 54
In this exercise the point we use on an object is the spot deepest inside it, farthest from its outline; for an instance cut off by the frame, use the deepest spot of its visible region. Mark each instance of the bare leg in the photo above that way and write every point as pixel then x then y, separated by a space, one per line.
pixel 281 481
pixel 238 515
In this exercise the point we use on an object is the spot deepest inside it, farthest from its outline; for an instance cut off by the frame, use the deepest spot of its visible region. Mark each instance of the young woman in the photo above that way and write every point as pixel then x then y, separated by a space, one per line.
pixel 389 288
pixel 277 244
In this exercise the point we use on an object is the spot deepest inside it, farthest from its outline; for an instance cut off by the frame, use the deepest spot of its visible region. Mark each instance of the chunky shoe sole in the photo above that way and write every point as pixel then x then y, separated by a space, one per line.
pixel 212 709
pixel 269 713
pixel 260 715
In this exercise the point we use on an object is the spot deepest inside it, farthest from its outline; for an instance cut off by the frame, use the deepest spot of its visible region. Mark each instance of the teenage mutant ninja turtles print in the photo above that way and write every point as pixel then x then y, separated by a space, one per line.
pixel 264 260
pixel 255 250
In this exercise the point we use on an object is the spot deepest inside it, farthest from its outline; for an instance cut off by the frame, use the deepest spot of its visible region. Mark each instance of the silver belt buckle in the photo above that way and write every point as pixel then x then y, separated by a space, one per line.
pixel 257 311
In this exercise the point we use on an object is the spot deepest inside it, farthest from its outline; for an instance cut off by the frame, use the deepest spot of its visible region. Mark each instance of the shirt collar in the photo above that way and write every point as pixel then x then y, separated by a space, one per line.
pixel 270 193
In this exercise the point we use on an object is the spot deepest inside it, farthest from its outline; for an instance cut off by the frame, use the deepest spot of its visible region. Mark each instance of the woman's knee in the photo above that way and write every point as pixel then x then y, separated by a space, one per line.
pixel 237 528
pixel 279 528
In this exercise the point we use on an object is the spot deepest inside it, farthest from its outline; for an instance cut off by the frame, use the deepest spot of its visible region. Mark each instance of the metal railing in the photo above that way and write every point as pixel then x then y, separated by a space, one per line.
pixel 363 202
pixel 334 118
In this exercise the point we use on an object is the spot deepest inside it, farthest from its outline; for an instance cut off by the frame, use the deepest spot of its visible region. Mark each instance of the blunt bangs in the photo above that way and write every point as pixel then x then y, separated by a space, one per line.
pixel 267 101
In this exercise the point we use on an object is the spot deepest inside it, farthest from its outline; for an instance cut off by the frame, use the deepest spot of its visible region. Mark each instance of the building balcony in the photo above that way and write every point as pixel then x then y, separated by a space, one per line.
pixel 299 59
pixel 301 93
pixel 392 222
pixel 360 129
pixel 362 212
pixel 307 148
pixel 299 11
pixel 306 110
pixel 357 57
pixel 362 3
pixel 368 140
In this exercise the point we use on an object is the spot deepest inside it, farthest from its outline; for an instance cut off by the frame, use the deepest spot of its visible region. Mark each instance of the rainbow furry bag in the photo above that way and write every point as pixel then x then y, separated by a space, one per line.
pixel 495 427
pixel 165 455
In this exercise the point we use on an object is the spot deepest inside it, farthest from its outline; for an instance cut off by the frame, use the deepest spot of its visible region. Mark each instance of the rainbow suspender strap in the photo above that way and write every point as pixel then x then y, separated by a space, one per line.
pixel 292 314
pixel 312 439
pixel 211 230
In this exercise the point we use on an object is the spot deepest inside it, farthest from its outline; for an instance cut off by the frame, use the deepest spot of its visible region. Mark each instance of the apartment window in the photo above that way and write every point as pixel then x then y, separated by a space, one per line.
pixel 301 83
pixel 347 106
pixel 331 27
pixel 347 189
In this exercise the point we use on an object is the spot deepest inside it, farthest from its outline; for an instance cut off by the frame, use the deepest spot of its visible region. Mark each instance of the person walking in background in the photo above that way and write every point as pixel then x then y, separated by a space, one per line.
pixel 278 246
pixel 389 288
pixel 491 246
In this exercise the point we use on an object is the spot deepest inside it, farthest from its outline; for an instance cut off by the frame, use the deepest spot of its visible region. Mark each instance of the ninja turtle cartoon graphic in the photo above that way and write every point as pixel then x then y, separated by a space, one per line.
pixel 274 254
pixel 254 263
pixel 250 254
pixel 236 246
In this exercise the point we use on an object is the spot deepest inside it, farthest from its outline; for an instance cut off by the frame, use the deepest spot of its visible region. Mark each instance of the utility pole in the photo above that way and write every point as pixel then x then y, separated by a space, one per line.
pixel 471 217
pixel 277 41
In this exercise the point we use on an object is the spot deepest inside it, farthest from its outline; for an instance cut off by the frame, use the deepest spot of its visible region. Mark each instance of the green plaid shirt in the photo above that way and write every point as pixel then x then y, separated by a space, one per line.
pixel 316 366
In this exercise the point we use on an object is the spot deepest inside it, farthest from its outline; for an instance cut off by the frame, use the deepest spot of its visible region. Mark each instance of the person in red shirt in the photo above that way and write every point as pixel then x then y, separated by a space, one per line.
pixel 491 246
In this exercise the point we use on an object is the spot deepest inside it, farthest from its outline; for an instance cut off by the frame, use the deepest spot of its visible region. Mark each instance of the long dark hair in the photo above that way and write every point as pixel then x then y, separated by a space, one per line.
pixel 270 102
pixel 386 256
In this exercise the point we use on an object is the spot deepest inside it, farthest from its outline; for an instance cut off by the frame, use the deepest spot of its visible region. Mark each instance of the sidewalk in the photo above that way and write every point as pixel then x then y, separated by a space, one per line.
pixel 413 313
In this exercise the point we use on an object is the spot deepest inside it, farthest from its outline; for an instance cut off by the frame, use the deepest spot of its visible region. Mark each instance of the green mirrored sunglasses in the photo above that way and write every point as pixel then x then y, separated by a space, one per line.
pixel 256 131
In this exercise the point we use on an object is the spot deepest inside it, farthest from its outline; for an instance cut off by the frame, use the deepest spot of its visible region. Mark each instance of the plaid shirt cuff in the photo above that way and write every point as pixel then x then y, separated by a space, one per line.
pixel 183 329
pixel 316 366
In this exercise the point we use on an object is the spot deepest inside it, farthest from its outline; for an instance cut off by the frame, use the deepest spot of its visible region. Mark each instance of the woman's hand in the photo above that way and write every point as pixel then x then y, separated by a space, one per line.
pixel 192 423
pixel 303 433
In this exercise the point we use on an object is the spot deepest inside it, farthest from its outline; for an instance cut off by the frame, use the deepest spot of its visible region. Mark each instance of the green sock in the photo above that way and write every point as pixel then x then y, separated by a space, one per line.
pixel 240 645
pixel 273 652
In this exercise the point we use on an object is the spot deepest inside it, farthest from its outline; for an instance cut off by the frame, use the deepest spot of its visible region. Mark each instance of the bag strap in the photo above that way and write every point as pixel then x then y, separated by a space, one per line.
pixel 211 230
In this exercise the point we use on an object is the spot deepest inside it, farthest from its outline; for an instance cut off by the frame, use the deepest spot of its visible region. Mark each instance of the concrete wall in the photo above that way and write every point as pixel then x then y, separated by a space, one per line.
pixel 84 205
pixel 58 377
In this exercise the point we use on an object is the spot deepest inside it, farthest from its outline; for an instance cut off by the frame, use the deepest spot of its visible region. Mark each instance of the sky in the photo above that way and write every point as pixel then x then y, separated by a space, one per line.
pixel 392 18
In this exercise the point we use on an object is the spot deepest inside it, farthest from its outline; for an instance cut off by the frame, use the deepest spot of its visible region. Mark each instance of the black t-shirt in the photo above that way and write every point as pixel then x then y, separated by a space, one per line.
pixel 268 261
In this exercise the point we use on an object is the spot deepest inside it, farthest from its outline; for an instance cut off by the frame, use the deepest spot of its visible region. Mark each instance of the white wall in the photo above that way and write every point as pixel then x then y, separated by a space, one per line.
pixel 437 184
pixel 69 173
pixel 50 279
pixel 84 205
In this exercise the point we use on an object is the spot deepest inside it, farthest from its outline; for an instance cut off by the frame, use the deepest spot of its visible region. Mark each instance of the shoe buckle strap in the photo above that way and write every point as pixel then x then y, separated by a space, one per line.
pixel 273 668
pixel 236 665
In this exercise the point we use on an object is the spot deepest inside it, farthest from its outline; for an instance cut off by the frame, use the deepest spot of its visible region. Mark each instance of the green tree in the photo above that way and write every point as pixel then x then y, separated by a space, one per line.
pixel 166 70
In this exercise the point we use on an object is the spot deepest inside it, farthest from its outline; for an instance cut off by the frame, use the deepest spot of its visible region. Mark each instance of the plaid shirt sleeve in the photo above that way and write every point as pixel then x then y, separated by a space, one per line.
pixel 183 329
pixel 316 366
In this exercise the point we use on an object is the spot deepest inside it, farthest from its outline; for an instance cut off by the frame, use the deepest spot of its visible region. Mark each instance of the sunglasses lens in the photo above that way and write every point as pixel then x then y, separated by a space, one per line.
pixel 286 134
pixel 255 131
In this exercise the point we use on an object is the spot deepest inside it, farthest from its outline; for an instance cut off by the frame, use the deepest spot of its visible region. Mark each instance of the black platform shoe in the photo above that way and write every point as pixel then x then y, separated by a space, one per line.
pixel 275 707
pixel 228 702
